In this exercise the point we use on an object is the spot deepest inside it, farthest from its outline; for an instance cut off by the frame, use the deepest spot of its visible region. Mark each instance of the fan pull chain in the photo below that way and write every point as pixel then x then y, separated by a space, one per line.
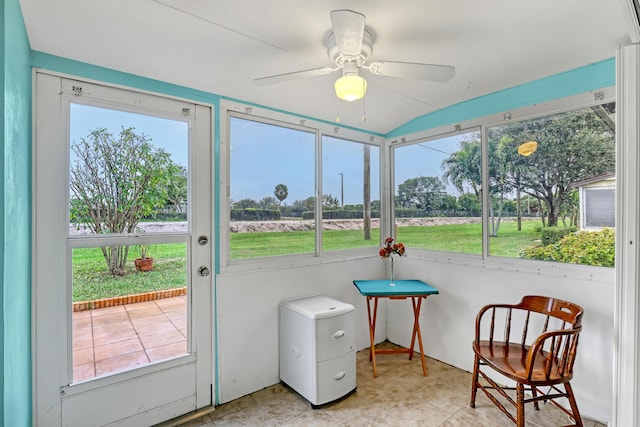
pixel 364 106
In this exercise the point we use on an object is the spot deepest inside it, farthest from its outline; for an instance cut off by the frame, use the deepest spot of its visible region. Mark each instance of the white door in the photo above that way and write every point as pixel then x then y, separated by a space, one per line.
pixel 118 174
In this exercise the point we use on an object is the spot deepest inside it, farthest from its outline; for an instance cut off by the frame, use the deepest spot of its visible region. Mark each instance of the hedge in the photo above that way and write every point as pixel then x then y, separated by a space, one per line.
pixel 252 214
pixel 339 214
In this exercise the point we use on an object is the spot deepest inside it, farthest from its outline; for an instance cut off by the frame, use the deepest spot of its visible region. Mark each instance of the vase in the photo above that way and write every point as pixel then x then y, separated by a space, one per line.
pixel 392 272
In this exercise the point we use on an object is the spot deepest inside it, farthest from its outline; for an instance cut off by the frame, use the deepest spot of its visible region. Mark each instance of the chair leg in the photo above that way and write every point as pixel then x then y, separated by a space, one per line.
pixel 574 405
pixel 520 405
pixel 534 393
pixel 474 381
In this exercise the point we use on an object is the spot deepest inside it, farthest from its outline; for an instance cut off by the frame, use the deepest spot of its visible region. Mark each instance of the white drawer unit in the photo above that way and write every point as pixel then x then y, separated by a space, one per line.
pixel 317 348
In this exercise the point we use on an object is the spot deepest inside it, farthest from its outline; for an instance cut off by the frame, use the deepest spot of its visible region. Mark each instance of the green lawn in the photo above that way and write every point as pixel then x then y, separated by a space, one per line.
pixel 92 281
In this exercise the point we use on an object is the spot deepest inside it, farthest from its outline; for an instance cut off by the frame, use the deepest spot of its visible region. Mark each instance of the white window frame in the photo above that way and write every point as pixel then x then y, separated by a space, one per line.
pixel 229 109
pixel 546 268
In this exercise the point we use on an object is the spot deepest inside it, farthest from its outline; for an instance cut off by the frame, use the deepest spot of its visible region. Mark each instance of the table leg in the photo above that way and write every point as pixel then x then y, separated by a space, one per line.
pixel 372 331
pixel 416 302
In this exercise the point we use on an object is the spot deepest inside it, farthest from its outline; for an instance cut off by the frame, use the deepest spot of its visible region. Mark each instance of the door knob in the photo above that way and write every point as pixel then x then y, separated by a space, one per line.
pixel 203 271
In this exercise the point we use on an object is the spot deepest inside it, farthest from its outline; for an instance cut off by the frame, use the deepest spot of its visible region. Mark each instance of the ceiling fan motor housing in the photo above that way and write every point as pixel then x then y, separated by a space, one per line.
pixel 340 58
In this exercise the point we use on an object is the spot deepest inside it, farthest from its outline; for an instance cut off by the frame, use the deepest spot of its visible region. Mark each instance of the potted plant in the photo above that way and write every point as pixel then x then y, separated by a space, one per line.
pixel 145 262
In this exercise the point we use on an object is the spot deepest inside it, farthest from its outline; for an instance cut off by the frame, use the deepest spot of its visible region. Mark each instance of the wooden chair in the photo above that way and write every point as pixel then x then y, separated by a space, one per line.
pixel 541 356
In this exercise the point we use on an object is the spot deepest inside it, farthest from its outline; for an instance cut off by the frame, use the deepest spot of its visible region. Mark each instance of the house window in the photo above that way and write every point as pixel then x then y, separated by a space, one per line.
pixel 599 207
pixel 535 167
pixel 438 193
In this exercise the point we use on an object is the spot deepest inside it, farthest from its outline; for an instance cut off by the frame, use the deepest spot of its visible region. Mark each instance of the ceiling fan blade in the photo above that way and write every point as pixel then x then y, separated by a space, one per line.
pixel 348 30
pixel 411 70
pixel 279 78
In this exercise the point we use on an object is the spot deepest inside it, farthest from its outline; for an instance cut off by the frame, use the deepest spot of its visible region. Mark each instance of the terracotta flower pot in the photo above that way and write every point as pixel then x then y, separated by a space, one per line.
pixel 144 264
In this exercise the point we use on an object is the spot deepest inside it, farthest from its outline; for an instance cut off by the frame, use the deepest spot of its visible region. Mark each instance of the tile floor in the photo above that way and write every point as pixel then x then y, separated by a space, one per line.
pixel 400 396
pixel 113 339
pixel 118 338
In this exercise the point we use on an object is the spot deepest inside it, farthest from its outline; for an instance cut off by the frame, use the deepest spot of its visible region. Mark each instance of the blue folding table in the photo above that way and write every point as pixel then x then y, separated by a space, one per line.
pixel 417 290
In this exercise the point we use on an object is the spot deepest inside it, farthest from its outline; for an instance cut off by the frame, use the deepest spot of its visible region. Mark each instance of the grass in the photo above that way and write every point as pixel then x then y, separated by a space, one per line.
pixel 91 279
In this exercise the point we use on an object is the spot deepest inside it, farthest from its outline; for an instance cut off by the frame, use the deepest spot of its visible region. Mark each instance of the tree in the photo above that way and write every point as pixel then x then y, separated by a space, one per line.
pixel 469 204
pixel 177 187
pixel 572 146
pixel 268 203
pixel 328 201
pixel 463 169
pixel 245 204
pixel 114 182
pixel 281 192
pixel 425 192
pixel 308 204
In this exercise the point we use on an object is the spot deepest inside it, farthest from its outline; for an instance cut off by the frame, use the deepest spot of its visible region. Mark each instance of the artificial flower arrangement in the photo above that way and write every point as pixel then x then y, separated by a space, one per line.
pixel 391 248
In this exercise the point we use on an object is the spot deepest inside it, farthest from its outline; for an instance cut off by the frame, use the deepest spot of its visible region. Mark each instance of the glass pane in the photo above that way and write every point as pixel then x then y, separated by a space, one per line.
pixel 351 200
pixel 128 172
pixel 272 185
pixel 536 170
pixel 128 321
pixel 128 175
pixel 438 194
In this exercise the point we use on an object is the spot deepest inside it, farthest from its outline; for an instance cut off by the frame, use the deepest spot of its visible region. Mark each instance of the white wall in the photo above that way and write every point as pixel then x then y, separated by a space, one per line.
pixel 247 307
pixel 447 320
pixel 248 317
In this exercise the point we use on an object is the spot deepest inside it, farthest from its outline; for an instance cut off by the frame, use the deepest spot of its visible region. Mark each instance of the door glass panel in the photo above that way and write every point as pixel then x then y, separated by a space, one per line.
pixel 128 234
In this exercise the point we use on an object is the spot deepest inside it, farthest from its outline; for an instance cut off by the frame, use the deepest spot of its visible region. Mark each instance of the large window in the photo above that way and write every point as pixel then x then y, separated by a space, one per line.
pixel 438 193
pixel 272 187
pixel 351 199
pixel 536 169
pixel 274 179
pixel 550 181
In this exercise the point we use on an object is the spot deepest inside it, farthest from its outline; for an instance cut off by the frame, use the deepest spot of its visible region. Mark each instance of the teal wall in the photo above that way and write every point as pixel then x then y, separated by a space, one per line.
pixel 16 60
pixel 16 220
pixel 2 84
pixel 584 79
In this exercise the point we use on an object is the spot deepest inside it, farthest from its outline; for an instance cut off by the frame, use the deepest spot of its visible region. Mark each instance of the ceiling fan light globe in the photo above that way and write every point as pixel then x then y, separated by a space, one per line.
pixel 351 87
pixel 527 148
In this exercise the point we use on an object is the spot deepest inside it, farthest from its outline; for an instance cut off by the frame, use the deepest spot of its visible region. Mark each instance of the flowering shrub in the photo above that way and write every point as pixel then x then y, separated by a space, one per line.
pixel 391 248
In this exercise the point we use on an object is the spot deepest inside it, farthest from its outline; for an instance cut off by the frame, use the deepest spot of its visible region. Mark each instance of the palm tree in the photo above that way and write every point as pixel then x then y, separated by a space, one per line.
pixel 281 192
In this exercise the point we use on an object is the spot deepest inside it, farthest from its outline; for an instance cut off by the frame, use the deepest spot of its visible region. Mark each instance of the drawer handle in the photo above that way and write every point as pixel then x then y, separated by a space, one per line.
pixel 338 334
pixel 340 375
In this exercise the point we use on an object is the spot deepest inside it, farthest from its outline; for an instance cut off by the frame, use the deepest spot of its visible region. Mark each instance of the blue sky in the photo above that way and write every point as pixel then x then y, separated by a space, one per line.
pixel 170 135
pixel 425 159
pixel 263 156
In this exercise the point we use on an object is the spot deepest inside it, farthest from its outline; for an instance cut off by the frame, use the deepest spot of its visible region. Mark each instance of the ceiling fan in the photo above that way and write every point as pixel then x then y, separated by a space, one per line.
pixel 349 45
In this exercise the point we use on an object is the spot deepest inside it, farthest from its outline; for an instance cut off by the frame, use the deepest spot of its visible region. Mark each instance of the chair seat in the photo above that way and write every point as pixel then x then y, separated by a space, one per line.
pixel 510 360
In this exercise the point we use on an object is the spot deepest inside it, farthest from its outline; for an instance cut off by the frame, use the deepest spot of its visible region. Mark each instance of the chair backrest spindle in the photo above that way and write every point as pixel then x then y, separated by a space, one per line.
pixel 507 326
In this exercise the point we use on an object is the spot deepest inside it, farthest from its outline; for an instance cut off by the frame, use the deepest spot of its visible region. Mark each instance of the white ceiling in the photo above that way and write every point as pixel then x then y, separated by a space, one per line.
pixel 221 46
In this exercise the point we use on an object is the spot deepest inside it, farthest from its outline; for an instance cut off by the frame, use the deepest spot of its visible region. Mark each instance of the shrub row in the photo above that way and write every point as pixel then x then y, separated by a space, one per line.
pixel 339 214
pixel 252 214
pixel 551 235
